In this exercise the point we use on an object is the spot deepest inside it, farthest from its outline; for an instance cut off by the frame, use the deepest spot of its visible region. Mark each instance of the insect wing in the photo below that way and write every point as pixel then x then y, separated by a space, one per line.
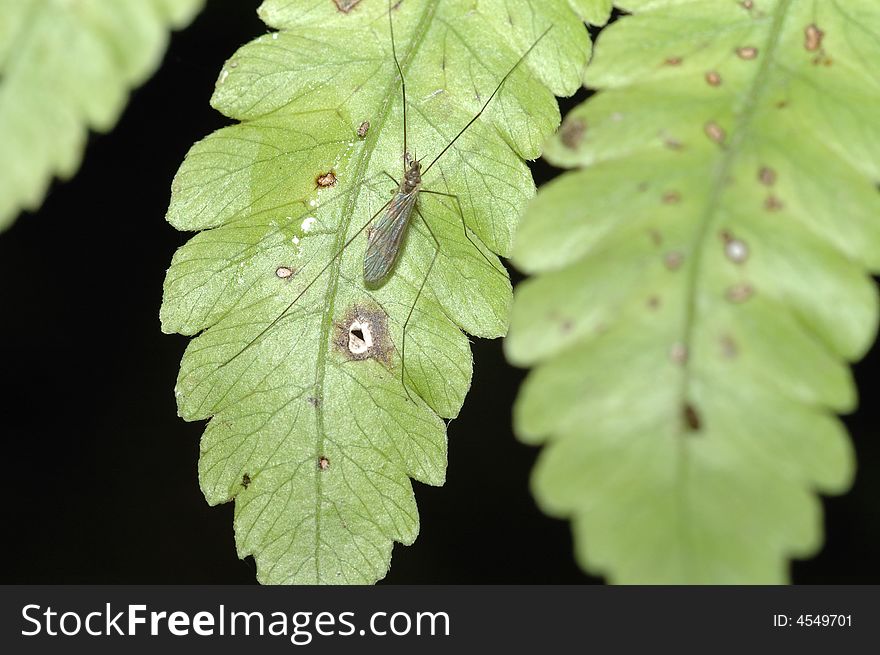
pixel 385 238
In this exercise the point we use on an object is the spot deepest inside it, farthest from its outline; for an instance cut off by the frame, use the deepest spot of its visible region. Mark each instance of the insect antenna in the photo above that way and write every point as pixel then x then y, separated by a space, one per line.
pixel 486 104
pixel 402 81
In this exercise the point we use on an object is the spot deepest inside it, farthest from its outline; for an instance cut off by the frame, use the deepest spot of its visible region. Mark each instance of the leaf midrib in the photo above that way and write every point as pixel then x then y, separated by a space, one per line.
pixel 391 96
pixel 706 223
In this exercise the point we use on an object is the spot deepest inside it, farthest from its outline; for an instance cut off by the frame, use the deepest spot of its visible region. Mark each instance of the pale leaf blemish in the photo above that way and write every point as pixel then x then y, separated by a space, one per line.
pixel 747 52
pixel 813 37
pixel 678 354
pixel 673 260
pixel 736 250
pixel 284 272
pixel 715 132
pixel 739 293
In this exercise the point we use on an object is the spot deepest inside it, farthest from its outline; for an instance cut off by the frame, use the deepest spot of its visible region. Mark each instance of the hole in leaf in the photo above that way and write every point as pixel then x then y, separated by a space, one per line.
pixel 363 334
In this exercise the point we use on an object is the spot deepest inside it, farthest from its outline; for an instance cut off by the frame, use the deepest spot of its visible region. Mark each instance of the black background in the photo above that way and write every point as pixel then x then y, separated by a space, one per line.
pixel 99 473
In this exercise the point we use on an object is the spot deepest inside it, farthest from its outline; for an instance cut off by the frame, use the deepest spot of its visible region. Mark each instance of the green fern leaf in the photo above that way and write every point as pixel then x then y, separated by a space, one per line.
pixel 700 285
pixel 312 431
pixel 66 67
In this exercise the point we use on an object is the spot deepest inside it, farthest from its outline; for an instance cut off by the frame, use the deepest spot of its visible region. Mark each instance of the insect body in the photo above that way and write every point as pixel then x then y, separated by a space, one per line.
pixel 386 236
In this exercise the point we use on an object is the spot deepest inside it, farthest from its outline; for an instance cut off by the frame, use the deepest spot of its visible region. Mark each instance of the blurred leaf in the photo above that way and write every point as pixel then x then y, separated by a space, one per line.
pixel 66 67
pixel 700 284
pixel 311 430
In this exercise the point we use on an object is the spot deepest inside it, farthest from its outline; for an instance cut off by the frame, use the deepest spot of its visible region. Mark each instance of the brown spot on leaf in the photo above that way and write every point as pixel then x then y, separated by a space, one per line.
pixel 673 260
pixel 678 353
pixel 813 37
pixel 747 5
pixel 773 204
pixel 739 293
pixel 572 132
pixel 713 78
pixel 284 272
pixel 767 176
pixel 363 128
pixel 314 401
pixel 323 463
pixel 673 143
pixel 691 418
pixel 327 179
pixel 715 132
pixel 346 6
pixel 673 61
pixel 671 198
pixel 656 237
pixel 747 52
pixel 654 303
pixel 245 480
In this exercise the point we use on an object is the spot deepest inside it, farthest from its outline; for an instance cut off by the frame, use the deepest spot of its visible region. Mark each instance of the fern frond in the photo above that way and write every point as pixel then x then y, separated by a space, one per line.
pixel 65 68
pixel 701 283
pixel 312 432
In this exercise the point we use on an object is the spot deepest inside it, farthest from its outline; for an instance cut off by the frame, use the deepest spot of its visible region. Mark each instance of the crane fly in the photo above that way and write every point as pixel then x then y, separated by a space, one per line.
pixel 386 236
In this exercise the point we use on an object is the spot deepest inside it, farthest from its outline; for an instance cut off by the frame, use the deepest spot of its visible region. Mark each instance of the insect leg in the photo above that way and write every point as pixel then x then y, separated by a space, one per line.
pixel 391 177
pixel 486 104
pixel 464 226
pixel 302 292
pixel 413 306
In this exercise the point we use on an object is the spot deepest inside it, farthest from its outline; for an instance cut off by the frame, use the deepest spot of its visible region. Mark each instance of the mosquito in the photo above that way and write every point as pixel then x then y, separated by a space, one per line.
pixel 385 239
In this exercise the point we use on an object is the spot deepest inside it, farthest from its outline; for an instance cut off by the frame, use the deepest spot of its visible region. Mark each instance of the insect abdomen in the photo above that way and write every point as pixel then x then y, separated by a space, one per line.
pixel 386 237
